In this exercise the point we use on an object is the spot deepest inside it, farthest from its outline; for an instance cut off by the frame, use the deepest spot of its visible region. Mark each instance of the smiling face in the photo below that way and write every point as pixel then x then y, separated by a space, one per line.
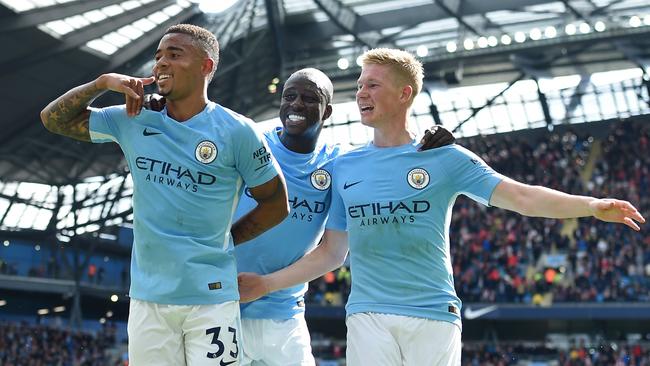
pixel 378 95
pixel 181 68
pixel 303 107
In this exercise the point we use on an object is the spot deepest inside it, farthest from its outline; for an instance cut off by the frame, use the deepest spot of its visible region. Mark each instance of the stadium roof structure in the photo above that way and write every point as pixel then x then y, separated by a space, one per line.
pixel 54 45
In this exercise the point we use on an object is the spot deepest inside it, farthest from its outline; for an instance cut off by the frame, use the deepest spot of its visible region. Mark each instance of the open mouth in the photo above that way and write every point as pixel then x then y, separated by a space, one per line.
pixel 161 78
pixel 295 119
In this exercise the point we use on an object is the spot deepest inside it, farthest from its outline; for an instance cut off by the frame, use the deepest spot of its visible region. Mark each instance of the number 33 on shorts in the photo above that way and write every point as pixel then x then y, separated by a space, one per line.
pixel 231 339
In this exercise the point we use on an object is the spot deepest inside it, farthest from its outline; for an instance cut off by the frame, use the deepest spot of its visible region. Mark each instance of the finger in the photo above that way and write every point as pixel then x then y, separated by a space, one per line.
pixel 629 222
pixel 139 87
pixel 128 90
pixel 148 81
pixel 131 97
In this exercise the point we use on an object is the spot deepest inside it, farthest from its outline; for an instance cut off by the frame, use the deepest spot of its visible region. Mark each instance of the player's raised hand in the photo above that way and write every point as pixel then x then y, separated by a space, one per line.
pixel 154 102
pixel 613 210
pixel 131 87
pixel 436 136
pixel 252 286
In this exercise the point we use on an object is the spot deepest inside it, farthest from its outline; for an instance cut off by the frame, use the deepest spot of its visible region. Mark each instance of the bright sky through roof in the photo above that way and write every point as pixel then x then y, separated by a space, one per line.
pixel 214 6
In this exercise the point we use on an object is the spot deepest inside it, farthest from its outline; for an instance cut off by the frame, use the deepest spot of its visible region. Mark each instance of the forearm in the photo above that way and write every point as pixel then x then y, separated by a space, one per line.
pixel 324 258
pixel 68 114
pixel 263 217
pixel 538 201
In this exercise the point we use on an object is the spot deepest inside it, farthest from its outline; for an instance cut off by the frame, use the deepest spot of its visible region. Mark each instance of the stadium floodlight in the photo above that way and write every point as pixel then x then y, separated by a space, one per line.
pixel 584 28
pixel 42 311
pixel 59 309
pixel 359 61
pixel 635 21
pixel 5 243
pixel 505 39
pixel 492 41
pixel 535 34
pixel 451 47
pixel 343 63
pixel 37 248
pixel 3 302
pixel 550 32
pixel 422 51
pixel 600 26
pixel 646 20
pixel 520 37
pixel 570 29
pixel 468 44
pixel 114 298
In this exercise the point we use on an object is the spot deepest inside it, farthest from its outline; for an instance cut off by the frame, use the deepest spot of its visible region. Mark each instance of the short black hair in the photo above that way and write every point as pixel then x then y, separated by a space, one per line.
pixel 202 38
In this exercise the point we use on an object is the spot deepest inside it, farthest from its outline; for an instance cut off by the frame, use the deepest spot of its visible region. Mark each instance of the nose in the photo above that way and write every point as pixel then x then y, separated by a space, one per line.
pixel 159 63
pixel 297 103
pixel 361 91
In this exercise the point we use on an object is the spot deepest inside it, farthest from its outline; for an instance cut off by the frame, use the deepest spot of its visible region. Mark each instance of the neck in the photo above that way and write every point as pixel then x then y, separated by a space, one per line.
pixel 392 134
pixel 299 144
pixel 183 109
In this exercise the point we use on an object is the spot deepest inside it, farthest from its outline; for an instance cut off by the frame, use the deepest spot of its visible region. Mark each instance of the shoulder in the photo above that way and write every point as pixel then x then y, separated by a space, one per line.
pixel 237 124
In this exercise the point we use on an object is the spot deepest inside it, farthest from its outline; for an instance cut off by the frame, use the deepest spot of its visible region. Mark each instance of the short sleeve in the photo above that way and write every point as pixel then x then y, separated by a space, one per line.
pixel 471 175
pixel 104 123
pixel 336 219
pixel 253 156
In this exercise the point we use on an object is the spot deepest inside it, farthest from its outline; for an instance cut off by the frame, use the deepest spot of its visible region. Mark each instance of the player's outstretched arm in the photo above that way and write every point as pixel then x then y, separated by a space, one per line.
pixel 327 256
pixel 540 201
pixel 272 207
pixel 68 115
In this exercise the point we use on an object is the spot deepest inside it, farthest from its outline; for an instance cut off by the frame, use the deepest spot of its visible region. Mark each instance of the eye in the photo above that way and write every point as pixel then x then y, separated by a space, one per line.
pixel 289 97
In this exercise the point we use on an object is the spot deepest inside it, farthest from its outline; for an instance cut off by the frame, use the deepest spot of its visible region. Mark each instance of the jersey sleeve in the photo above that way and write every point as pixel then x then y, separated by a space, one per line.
pixel 253 157
pixel 104 123
pixel 471 175
pixel 336 219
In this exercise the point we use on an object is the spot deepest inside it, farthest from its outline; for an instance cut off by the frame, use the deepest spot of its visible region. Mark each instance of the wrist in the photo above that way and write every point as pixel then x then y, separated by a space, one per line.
pixel 100 82
pixel 269 284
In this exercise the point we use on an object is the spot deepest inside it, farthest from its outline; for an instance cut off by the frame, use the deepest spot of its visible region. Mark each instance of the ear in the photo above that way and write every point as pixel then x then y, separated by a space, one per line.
pixel 207 66
pixel 407 93
pixel 327 113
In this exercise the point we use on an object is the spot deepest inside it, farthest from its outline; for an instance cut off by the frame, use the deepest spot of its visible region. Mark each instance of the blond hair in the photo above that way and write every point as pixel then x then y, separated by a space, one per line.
pixel 407 68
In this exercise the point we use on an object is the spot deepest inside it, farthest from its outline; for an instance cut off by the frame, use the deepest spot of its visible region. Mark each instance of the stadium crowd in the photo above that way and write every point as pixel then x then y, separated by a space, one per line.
pixel 23 344
pixel 605 354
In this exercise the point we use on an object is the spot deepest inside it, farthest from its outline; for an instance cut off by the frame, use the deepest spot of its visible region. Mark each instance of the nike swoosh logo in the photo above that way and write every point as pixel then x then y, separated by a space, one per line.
pixel 348 185
pixel 149 133
pixel 221 363
pixel 474 314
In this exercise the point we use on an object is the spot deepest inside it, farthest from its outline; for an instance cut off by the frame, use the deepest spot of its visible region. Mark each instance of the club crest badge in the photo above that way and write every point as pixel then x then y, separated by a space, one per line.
pixel 206 152
pixel 418 178
pixel 321 179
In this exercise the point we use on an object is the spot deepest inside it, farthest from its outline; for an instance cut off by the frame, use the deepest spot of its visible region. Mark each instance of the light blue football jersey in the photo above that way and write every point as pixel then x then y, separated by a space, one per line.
pixel 396 205
pixel 187 180
pixel 308 178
